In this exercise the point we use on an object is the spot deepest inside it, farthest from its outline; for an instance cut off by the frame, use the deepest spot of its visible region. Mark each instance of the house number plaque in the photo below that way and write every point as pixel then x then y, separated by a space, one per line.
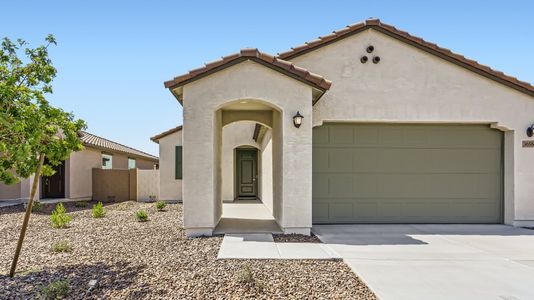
pixel 528 144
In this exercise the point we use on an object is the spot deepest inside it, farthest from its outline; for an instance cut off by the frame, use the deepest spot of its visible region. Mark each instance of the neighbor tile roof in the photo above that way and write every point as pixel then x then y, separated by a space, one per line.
pixel 91 140
pixel 412 40
pixel 165 133
pixel 273 62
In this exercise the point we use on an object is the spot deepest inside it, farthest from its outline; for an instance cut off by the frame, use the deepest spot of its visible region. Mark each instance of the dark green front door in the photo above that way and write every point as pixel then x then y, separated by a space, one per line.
pixel 247 173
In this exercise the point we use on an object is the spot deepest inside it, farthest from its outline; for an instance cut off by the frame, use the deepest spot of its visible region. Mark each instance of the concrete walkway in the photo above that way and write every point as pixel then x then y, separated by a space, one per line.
pixel 262 246
pixel 437 261
pixel 246 216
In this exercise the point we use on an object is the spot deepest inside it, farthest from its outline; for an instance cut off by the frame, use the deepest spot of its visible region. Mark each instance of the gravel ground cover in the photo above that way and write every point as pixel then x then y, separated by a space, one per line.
pixel 296 238
pixel 153 260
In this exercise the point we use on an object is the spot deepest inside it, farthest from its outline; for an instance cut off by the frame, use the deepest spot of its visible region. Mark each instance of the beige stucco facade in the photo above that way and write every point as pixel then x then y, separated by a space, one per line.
pixel 413 86
pixel 408 85
pixel 170 188
pixel 217 97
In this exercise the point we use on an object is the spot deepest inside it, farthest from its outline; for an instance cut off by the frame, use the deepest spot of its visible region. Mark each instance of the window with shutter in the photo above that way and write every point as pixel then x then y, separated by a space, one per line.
pixel 178 163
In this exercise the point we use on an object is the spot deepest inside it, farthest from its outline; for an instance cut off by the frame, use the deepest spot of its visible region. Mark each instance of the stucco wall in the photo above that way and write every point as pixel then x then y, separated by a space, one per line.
pixel 120 161
pixel 147 184
pixel 144 164
pixel 9 192
pixel 266 175
pixel 409 85
pixel 170 188
pixel 202 99
pixel 79 174
pixel 18 191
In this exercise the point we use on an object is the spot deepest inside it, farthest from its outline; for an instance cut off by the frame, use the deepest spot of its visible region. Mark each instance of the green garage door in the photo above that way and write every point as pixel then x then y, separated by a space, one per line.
pixel 370 173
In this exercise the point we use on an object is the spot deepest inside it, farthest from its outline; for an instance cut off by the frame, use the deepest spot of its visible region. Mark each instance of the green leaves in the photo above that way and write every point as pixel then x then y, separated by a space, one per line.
pixel 29 125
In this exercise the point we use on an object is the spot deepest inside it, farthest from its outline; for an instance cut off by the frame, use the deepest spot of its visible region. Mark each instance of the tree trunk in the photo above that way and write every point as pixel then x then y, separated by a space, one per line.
pixel 27 215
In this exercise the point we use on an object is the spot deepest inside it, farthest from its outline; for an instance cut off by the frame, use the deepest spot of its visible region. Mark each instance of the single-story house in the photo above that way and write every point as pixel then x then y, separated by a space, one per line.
pixel 73 178
pixel 368 124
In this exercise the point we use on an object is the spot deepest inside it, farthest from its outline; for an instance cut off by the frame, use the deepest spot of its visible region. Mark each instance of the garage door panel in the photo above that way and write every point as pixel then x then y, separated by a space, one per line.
pixel 365 185
pixel 320 211
pixel 340 160
pixel 320 185
pixel 320 135
pixel 341 135
pixel 461 185
pixel 365 160
pixel 366 136
pixel 340 185
pixel 365 210
pixel 463 160
pixel 371 173
pixel 401 185
pixel 391 137
pixel 341 210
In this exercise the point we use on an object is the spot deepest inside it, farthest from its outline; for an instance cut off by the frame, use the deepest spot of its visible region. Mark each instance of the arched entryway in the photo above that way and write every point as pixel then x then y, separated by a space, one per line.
pixel 247 132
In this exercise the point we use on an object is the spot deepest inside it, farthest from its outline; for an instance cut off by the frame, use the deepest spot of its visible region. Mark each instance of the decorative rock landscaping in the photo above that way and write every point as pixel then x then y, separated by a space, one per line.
pixel 127 259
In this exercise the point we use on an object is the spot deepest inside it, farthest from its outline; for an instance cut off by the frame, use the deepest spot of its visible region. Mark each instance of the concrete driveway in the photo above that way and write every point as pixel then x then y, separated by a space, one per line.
pixel 437 261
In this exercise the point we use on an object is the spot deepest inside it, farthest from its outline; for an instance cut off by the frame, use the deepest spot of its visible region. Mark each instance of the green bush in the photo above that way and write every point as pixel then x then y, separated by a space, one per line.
pixel 81 204
pixel 59 217
pixel 63 246
pixel 98 210
pixel 57 289
pixel 37 206
pixel 160 205
pixel 141 216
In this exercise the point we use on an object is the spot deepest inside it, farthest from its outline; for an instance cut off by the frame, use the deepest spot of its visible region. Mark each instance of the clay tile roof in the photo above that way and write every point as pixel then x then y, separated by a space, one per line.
pixel 91 140
pixel 412 40
pixel 156 138
pixel 275 63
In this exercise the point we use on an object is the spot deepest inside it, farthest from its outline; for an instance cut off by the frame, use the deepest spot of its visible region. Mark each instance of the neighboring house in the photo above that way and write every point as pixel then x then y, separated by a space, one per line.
pixel 170 169
pixel 73 178
pixel 395 130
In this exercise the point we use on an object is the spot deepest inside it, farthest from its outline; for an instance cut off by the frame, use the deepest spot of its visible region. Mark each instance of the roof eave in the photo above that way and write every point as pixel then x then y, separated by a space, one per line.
pixel 155 159
pixel 315 81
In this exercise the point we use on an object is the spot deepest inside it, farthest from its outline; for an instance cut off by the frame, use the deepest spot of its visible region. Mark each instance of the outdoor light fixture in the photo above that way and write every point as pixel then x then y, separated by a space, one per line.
pixel 530 130
pixel 297 119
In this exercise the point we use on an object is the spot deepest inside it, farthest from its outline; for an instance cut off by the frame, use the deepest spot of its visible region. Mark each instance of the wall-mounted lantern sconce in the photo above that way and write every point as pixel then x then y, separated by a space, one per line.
pixel 297 119
pixel 530 130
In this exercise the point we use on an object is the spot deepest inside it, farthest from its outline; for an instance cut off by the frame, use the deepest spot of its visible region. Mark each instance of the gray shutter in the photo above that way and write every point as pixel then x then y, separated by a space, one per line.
pixel 178 162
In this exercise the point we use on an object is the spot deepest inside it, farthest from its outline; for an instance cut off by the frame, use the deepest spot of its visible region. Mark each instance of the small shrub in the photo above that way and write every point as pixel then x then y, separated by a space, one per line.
pixel 141 216
pixel 63 246
pixel 59 217
pixel 37 206
pixel 152 198
pixel 57 289
pixel 244 275
pixel 98 210
pixel 80 204
pixel 160 205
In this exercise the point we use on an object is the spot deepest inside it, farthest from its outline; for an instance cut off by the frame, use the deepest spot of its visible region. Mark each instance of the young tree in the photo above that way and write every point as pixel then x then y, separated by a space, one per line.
pixel 30 128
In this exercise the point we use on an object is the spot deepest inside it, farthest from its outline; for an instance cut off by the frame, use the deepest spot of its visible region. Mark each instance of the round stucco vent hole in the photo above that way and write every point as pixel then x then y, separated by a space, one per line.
pixel 370 48
pixel 364 59
pixel 376 59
